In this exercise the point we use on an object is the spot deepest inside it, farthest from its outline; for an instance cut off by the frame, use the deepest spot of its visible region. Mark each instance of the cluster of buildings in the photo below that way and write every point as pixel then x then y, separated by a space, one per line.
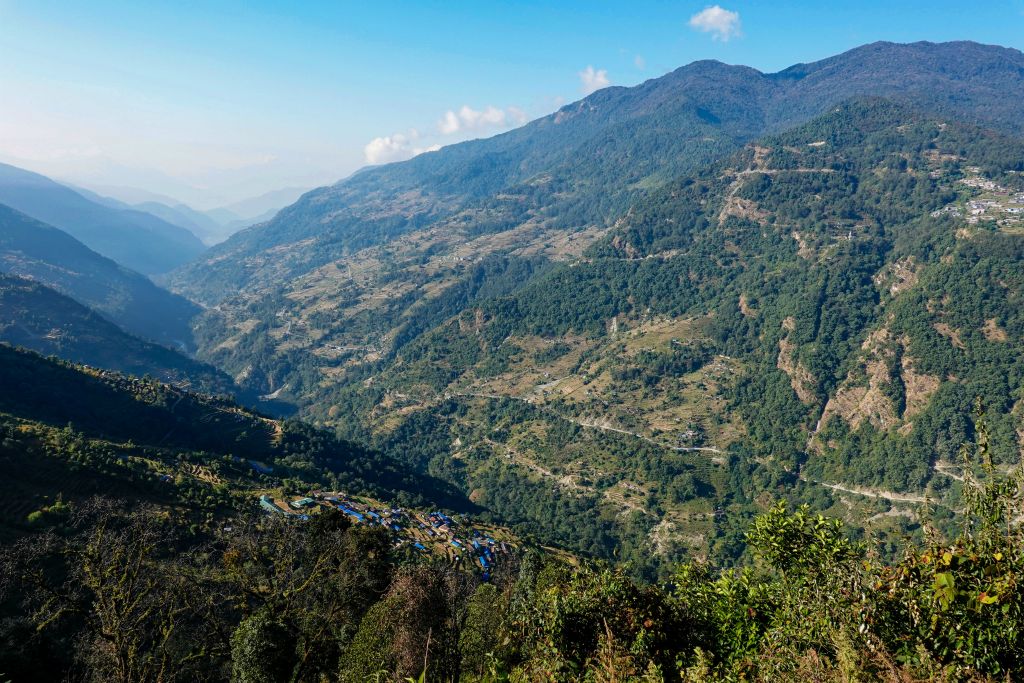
pixel 952 209
pixel 977 181
pixel 1003 208
pixel 691 434
pixel 292 509
pixel 431 533
pixel 1000 211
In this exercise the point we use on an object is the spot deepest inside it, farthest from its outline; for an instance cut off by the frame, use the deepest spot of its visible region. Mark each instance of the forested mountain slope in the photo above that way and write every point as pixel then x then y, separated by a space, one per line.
pixel 134 239
pixel 32 249
pixel 71 432
pixel 827 253
pixel 820 306
pixel 621 324
pixel 39 318
pixel 819 310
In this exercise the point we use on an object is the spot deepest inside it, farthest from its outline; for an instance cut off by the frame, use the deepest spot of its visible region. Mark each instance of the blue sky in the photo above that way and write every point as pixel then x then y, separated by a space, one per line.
pixel 214 101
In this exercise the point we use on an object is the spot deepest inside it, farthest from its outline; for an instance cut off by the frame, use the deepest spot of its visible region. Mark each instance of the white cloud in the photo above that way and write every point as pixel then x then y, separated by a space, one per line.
pixel 460 123
pixel 722 24
pixel 397 147
pixel 517 116
pixel 469 119
pixel 639 62
pixel 386 149
pixel 593 79
pixel 449 123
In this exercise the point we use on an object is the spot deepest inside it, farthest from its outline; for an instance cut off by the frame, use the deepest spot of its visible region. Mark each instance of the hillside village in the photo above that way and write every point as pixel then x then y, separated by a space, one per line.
pixel 990 202
pixel 457 542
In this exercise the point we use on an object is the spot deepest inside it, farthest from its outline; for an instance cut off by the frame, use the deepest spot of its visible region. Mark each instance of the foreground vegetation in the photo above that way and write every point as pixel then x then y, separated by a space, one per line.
pixel 110 594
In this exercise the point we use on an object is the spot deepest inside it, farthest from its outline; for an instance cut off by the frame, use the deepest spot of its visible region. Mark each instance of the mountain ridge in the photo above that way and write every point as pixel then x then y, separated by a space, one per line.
pixel 133 238
pixel 39 318
pixel 719 106
pixel 33 249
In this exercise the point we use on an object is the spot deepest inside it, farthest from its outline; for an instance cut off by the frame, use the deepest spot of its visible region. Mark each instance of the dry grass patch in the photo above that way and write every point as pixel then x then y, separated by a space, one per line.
pixel 993 332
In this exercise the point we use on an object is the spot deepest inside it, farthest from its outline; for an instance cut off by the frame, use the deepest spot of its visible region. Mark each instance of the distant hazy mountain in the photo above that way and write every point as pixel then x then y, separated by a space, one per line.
pixel 33 249
pixel 264 205
pixel 133 238
pixel 198 223
pixel 212 226
pixel 121 195
pixel 252 211
pixel 101 199
pixel 39 318
pixel 170 210
pixel 216 225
